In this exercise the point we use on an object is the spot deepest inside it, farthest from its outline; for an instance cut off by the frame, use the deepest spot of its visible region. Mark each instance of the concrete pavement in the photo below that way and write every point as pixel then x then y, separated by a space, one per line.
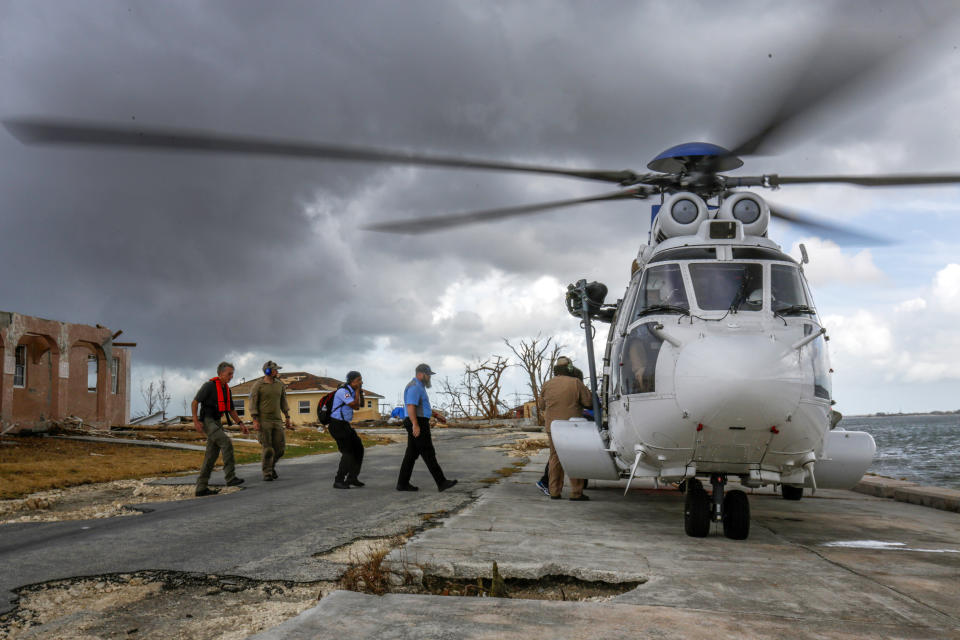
pixel 838 565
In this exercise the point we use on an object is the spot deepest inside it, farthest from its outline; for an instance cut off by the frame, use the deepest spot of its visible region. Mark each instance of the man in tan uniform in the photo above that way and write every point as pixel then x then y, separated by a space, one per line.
pixel 268 399
pixel 564 396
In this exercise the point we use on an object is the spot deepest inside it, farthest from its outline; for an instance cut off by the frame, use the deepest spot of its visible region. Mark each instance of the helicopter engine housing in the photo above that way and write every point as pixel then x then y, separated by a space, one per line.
pixel 680 215
pixel 750 209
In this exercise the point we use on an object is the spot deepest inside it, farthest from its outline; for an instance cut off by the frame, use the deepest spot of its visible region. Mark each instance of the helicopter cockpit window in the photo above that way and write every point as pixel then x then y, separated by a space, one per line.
pixel 786 290
pixel 638 360
pixel 719 287
pixel 661 291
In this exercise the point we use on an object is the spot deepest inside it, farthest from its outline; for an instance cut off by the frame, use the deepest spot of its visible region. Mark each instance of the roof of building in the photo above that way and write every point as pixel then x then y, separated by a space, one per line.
pixel 300 381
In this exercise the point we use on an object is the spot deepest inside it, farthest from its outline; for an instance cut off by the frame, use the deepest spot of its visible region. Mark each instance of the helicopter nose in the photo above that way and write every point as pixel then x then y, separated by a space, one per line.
pixel 738 381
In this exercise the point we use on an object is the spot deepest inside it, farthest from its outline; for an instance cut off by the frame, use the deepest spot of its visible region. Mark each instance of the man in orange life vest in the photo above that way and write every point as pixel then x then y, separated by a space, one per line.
pixel 214 399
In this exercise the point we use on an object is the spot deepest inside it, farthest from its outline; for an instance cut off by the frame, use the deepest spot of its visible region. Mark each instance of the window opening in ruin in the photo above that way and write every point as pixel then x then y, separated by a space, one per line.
pixel 115 375
pixel 20 366
pixel 93 368
pixel 304 406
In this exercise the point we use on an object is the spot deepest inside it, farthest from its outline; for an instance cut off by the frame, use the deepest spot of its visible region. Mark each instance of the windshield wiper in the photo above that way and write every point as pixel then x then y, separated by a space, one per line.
pixel 792 309
pixel 663 308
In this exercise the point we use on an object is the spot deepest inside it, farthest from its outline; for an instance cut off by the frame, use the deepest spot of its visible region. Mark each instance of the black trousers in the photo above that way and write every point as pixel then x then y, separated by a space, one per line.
pixel 419 447
pixel 351 450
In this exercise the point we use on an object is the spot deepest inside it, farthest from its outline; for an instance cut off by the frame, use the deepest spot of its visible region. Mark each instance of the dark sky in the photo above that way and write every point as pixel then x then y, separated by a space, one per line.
pixel 200 256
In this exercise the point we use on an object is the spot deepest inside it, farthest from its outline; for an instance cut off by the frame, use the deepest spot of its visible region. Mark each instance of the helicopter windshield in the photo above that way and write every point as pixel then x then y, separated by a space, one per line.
pixel 661 290
pixel 719 287
pixel 786 290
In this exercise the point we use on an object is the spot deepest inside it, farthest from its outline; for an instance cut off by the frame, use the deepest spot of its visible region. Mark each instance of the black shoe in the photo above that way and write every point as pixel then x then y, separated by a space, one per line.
pixel 268 478
pixel 274 474
pixel 581 498
pixel 555 497
pixel 340 485
pixel 408 487
pixel 355 482
pixel 206 491
pixel 446 485
pixel 236 482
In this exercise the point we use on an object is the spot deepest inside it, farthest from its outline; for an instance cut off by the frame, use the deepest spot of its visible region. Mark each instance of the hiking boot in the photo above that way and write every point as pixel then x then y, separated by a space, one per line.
pixel 274 474
pixel 580 498
pixel 446 485
pixel 268 478
pixel 236 482
pixel 340 485
pixel 206 491
pixel 544 488
pixel 555 497
pixel 408 487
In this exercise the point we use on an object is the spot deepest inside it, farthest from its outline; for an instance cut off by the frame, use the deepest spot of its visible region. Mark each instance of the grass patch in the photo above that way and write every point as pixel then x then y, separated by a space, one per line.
pixel 39 464
pixel 30 464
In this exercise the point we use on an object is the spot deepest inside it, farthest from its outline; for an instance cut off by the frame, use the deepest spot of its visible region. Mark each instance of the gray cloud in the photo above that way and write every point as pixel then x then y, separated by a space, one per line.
pixel 196 256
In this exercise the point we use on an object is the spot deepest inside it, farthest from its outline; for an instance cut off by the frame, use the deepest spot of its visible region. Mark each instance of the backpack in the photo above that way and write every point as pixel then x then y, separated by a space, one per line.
pixel 325 409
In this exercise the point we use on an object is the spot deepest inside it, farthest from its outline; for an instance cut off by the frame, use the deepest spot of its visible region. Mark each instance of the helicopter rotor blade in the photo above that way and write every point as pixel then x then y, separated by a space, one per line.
pixel 838 233
pixel 39 131
pixel 890 180
pixel 837 68
pixel 439 223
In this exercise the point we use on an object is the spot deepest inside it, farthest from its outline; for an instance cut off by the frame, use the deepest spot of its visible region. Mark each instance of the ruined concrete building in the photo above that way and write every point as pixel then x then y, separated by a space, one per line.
pixel 56 370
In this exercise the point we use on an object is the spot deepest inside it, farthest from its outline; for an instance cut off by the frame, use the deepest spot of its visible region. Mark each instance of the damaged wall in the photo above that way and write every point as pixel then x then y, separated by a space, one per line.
pixel 52 370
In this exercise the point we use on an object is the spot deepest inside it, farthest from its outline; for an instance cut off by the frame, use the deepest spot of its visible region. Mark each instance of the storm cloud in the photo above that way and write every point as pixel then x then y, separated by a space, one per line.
pixel 198 256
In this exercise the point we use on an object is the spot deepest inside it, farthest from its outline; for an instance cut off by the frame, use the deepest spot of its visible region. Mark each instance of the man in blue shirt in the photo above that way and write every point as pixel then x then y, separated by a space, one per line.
pixel 345 400
pixel 417 424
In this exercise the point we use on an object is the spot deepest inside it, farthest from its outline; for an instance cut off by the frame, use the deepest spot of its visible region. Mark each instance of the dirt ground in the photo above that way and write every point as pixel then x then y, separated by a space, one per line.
pixel 160 605
pixel 93 501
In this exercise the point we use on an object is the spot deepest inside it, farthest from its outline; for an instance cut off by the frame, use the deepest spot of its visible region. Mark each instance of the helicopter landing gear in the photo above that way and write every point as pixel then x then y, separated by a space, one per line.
pixel 731 508
pixel 736 515
pixel 696 509
pixel 790 492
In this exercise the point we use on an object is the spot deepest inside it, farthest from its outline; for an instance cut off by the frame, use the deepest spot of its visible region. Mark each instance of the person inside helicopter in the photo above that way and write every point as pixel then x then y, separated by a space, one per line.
pixel 638 362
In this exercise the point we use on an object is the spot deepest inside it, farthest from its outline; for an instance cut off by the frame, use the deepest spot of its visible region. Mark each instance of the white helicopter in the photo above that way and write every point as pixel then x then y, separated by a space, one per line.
pixel 716 364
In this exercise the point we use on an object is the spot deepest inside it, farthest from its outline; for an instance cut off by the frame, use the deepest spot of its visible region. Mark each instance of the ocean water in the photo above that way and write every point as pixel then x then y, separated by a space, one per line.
pixel 922 449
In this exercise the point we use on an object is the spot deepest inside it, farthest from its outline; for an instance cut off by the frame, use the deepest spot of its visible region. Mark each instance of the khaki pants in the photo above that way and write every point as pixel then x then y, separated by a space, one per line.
pixel 217 442
pixel 556 474
pixel 274 443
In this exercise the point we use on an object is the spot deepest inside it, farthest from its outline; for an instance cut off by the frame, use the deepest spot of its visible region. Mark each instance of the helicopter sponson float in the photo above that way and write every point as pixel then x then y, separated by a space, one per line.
pixel 715 367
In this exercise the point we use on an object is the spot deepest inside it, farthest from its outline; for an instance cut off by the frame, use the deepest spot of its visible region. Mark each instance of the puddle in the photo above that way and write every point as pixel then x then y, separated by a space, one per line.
pixel 881 545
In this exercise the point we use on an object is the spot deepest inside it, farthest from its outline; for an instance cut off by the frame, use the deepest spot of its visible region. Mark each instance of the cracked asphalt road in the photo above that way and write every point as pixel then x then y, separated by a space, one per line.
pixel 268 531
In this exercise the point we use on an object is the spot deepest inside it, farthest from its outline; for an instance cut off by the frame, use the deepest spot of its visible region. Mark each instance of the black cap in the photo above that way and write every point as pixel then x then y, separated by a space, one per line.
pixel 425 368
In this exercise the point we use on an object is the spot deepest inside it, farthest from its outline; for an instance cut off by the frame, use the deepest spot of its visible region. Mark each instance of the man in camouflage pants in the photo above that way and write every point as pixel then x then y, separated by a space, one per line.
pixel 268 399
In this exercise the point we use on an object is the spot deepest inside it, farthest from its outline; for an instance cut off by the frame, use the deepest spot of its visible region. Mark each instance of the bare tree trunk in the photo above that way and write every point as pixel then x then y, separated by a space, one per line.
pixel 537 357
pixel 484 380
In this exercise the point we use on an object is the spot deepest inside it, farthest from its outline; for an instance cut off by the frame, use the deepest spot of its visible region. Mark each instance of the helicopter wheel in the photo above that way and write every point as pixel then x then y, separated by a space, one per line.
pixel 736 515
pixel 696 510
pixel 790 492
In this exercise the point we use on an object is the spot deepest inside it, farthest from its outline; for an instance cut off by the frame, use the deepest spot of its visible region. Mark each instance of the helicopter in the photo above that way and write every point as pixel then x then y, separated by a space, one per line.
pixel 715 366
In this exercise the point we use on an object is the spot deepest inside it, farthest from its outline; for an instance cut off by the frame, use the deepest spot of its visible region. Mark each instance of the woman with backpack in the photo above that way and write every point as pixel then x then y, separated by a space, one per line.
pixel 345 400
